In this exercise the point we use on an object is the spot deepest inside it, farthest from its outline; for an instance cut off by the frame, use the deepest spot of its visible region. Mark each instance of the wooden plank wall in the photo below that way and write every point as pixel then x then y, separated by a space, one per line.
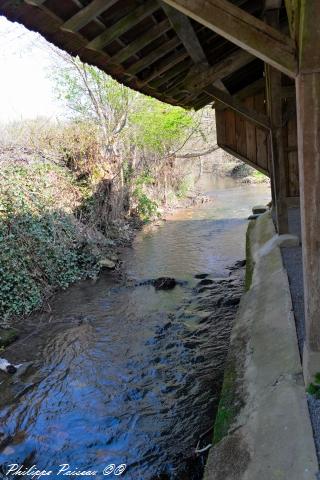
pixel 291 157
pixel 252 144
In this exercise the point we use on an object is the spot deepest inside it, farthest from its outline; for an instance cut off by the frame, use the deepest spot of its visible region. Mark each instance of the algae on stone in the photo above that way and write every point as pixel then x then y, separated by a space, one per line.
pixel 7 336
pixel 249 257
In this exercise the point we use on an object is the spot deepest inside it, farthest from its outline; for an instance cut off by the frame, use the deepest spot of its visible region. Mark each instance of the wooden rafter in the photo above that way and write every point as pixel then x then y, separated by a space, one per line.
pixel 142 41
pixel 272 4
pixel 244 30
pixel 185 31
pixel 87 14
pixel 172 73
pixel 35 3
pixel 153 56
pixel 123 25
pixel 170 62
pixel 201 79
pixel 255 117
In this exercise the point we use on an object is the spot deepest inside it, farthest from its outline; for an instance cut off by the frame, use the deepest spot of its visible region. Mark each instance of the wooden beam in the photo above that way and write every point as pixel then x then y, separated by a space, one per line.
pixel 293 202
pixel 166 65
pixel 279 174
pixel 153 56
pixel 293 13
pixel 176 70
pixel 185 31
pixel 274 106
pixel 257 118
pixel 87 14
pixel 35 3
pixel 244 30
pixel 141 42
pixel 123 25
pixel 308 122
pixel 224 68
pixel 309 54
pixel 272 4
pixel 199 77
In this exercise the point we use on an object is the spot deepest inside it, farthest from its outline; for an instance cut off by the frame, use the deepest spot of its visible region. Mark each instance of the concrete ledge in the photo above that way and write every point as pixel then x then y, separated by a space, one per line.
pixel 262 429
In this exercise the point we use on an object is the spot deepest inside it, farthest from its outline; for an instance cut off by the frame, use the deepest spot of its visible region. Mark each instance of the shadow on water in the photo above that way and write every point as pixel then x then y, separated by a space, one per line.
pixel 130 375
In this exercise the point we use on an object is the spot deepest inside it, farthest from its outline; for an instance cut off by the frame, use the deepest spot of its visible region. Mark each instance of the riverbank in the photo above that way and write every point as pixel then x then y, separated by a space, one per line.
pixel 60 224
pixel 262 428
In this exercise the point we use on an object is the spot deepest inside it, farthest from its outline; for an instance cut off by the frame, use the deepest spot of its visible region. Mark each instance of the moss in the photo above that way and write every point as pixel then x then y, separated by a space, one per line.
pixel 7 336
pixel 314 388
pixel 249 257
pixel 228 406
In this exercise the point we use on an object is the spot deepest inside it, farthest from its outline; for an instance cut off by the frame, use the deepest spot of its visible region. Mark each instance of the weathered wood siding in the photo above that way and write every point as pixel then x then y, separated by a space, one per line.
pixel 291 157
pixel 251 144
pixel 242 138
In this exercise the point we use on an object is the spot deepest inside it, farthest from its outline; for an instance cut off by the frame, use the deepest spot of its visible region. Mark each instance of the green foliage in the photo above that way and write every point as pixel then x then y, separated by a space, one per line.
pixel 184 187
pixel 159 127
pixel 314 388
pixel 146 208
pixel 41 248
pixel 92 95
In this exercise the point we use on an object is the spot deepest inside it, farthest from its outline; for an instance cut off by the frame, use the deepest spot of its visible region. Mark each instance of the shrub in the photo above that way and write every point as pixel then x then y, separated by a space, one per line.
pixel 41 242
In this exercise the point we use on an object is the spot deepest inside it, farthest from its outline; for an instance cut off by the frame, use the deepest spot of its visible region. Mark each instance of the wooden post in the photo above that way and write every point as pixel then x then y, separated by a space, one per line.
pixel 308 117
pixel 278 171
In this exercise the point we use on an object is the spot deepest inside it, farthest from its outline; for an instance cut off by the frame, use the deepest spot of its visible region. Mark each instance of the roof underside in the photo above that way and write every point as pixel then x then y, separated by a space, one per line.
pixel 144 44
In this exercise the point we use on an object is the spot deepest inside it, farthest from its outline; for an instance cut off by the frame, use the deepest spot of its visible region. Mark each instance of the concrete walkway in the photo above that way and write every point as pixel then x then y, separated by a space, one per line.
pixel 263 402
pixel 292 259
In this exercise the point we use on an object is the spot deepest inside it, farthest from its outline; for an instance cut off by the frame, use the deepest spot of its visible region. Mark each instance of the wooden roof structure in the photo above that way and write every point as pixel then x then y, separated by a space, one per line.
pixel 150 46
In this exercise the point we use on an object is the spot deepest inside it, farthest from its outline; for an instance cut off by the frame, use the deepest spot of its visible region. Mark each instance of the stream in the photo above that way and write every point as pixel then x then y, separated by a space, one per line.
pixel 127 375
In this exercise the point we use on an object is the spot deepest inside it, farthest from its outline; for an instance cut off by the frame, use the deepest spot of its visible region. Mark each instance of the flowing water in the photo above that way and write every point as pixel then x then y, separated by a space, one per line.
pixel 126 374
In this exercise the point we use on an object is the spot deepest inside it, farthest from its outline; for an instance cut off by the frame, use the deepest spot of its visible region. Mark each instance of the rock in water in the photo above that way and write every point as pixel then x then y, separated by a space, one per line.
pixel 107 263
pixel 164 283
pixel 7 367
pixel 201 275
pixel 206 281
pixel 258 209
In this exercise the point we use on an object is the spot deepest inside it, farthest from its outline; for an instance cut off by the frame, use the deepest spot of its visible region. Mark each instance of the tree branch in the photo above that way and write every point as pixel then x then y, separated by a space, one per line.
pixel 198 154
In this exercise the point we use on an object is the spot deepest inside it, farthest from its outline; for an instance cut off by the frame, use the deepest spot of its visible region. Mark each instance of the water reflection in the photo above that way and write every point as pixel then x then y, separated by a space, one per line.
pixel 126 374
